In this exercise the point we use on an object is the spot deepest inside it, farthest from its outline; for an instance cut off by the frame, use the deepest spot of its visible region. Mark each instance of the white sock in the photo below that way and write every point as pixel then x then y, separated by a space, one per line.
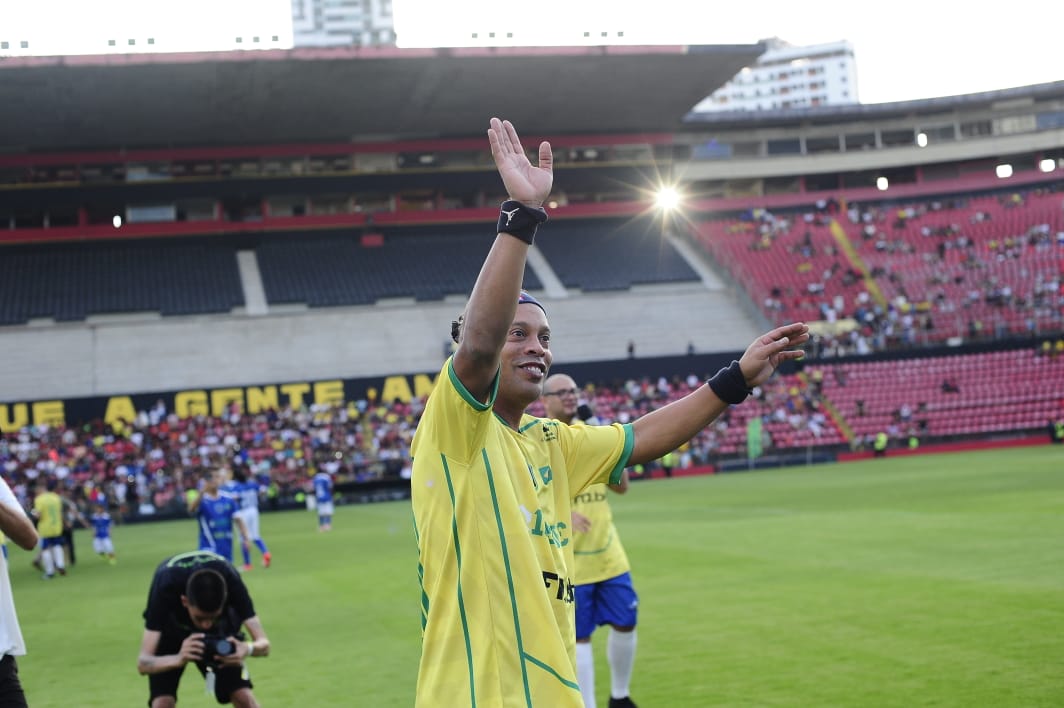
pixel 49 564
pixel 620 652
pixel 60 563
pixel 585 672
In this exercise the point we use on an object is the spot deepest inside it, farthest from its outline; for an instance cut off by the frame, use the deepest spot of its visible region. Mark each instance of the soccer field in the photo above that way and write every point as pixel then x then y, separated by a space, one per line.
pixel 925 580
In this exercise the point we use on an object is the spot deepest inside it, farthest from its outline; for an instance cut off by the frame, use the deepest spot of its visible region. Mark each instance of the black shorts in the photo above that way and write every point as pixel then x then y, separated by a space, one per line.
pixel 226 680
pixel 11 693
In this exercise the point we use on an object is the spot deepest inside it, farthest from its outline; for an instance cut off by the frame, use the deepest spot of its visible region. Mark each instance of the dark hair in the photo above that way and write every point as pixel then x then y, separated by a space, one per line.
pixel 239 474
pixel 206 590
pixel 456 328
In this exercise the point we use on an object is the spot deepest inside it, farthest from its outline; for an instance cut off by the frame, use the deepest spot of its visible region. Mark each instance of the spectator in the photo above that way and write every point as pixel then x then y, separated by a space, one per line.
pixel 604 590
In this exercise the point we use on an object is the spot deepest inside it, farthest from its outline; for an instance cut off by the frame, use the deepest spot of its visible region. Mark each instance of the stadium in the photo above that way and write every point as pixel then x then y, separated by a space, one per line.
pixel 194 267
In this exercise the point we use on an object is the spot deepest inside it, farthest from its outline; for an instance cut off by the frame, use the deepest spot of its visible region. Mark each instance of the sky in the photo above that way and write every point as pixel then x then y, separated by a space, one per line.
pixel 905 49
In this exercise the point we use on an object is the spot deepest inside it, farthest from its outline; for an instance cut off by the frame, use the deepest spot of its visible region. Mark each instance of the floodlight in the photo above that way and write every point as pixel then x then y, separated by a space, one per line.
pixel 117 221
pixel 668 198
pixel 1003 171
pixel 882 183
pixel 921 140
pixel 1047 165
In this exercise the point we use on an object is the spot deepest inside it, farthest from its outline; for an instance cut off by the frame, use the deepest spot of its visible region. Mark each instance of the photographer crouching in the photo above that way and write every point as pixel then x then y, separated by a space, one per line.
pixel 196 607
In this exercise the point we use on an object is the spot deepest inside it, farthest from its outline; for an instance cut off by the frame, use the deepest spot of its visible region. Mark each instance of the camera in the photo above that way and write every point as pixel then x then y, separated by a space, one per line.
pixel 217 645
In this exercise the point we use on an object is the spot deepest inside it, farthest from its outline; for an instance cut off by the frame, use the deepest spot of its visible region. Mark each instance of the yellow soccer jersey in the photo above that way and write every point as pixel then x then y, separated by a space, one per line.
pixel 49 508
pixel 598 553
pixel 491 512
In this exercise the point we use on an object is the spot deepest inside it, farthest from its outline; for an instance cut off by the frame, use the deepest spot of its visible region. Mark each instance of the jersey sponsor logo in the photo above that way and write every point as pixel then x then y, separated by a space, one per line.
pixel 589 497
pixel 563 587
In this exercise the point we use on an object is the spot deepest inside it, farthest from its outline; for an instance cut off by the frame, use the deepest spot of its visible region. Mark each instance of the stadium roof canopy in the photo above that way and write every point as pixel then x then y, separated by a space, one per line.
pixel 331 95
pixel 855 112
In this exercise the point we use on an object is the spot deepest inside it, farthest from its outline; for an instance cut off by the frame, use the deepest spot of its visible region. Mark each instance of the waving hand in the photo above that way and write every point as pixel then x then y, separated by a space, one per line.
pixel 524 183
pixel 768 351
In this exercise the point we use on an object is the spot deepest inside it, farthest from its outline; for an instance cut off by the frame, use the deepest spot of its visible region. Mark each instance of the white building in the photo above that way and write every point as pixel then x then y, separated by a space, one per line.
pixel 786 77
pixel 331 23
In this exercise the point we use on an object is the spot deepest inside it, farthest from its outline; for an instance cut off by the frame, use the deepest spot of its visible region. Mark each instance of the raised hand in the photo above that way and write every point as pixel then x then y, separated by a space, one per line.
pixel 524 183
pixel 763 357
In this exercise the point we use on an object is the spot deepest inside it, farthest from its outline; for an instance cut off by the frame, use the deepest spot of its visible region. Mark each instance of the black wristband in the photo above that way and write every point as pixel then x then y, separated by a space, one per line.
pixel 520 221
pixel 729 384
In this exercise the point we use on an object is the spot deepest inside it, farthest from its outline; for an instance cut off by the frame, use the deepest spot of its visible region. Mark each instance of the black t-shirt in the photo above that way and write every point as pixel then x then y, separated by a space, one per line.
pixel 165 612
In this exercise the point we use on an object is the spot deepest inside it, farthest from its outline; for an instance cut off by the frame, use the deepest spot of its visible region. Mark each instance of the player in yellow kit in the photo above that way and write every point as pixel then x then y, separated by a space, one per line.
pixel 48 510
pixel 491 486
pixel 604 591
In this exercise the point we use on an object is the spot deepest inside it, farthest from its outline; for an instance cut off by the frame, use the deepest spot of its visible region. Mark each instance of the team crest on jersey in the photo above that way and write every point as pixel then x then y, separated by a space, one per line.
pixel 550 434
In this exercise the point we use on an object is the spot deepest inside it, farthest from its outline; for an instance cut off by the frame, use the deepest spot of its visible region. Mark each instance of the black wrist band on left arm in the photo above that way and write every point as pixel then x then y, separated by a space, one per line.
pixel 520 221
pixel 729 384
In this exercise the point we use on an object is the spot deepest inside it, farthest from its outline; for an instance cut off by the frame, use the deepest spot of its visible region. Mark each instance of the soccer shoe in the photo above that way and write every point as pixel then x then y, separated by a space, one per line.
pixel 266 558
pixel 246 567
pixel 62 571
pixel 625 702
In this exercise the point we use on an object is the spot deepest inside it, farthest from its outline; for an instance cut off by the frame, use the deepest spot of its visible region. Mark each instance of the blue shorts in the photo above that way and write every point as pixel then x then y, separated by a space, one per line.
pixel 610 601
pixel 51 541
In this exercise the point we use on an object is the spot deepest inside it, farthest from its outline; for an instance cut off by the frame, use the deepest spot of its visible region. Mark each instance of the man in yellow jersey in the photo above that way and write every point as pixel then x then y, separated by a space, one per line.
pixel 492 486
pixel 604 590
pixel 48 510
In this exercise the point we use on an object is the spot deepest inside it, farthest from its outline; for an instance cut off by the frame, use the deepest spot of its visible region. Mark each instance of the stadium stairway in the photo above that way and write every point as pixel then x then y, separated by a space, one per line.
pixel 855 260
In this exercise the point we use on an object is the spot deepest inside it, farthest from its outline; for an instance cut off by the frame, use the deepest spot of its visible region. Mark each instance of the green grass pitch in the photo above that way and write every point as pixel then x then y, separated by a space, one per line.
pixel 933 580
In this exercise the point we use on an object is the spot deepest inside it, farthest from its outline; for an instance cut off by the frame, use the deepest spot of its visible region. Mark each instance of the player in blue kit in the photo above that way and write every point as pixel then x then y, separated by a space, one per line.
pixel 216 514
pixel 245 491
pixel 323 497
pixel 102 544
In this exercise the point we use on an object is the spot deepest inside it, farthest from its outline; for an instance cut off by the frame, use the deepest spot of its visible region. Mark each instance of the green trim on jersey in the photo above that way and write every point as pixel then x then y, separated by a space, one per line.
pixel 534 422
pixel 466 395
pixel 509 575
pixel 622 462
pixel 421 581
pixel 550 670
pixel 461 599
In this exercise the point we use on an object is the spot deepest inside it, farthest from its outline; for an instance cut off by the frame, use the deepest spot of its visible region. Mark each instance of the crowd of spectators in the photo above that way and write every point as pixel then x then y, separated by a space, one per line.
pixel 145 467
pixel 977 268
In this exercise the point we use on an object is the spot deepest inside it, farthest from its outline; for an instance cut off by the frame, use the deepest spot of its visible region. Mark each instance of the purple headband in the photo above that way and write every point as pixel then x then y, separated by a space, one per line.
pixel 525 297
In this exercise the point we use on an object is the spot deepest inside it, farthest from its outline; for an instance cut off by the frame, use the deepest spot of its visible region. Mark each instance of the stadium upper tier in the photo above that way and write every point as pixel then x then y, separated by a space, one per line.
pixel 72 281
pixel 904 273
pixel 69 282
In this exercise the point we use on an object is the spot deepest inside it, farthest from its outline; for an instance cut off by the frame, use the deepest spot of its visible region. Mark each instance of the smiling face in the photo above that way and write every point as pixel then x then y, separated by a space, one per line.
pixel 526 359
